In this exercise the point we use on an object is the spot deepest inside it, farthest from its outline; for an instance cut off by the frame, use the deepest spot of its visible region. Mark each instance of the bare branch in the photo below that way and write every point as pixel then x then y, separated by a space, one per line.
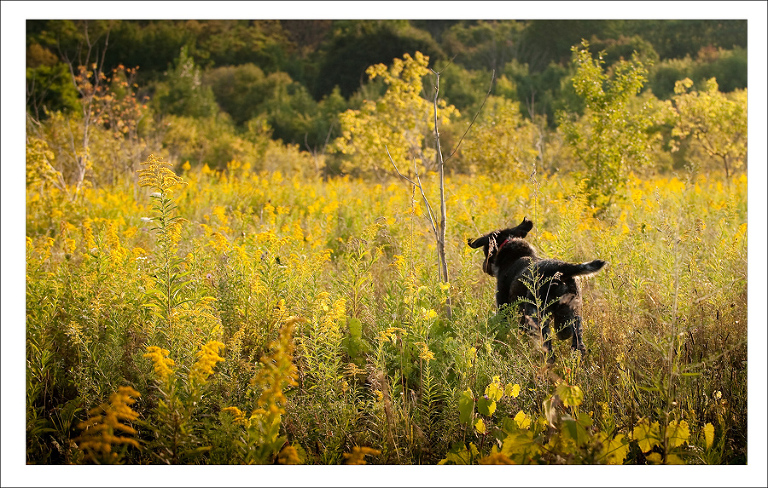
pixel 430 212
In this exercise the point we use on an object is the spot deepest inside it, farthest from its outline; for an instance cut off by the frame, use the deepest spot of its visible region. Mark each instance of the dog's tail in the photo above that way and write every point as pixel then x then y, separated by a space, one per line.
pixel 583 269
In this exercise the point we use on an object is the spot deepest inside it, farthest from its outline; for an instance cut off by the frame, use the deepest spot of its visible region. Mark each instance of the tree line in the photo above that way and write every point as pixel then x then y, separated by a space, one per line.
pixel 284 94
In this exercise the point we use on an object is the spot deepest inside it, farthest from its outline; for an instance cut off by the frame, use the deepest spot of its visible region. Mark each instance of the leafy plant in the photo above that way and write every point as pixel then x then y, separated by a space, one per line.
pixel 610 139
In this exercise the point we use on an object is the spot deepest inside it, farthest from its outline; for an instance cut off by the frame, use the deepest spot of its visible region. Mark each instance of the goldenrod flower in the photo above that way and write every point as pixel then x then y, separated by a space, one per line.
pixel 289 455
pixel 161 362
pixel 425 353
pixel 104 421
pixel 392 334
pixel 156 173
pixel 238 415
pixel 208 356
pixel 357 456
pixel 496 458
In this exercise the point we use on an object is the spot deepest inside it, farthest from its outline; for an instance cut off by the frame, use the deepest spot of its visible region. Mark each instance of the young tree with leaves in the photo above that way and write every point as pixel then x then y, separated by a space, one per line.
pixel 399 120
pixel 610 138
pixel 715 122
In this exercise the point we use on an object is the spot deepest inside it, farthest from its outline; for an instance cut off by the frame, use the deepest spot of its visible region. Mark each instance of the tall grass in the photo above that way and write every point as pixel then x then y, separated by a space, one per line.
pixel 304 322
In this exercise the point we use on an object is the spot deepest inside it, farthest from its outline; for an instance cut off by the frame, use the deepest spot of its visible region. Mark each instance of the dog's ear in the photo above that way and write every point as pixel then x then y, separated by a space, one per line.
pixel 479 242
pixel 522 229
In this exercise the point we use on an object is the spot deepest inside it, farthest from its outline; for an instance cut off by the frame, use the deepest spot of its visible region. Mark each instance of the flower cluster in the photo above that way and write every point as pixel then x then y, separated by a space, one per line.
pixel 104 421
pixel 207 357
pixel 161 363
pixel 357 456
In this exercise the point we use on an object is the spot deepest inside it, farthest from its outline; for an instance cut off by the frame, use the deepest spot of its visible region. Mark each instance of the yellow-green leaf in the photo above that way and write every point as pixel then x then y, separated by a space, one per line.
pixel 654 458
pixel 646 434
pixel 614 450
pixel 709 434
pixel 493 391
pixel 572 396
pixel 466 406
pixel 486 406
pixel 678 433
pixel 480 427
pixel 523 421
pixel 512 390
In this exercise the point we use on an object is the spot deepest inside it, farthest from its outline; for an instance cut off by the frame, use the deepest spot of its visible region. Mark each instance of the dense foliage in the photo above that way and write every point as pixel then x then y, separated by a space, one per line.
pixel 298 64
pixel 223 265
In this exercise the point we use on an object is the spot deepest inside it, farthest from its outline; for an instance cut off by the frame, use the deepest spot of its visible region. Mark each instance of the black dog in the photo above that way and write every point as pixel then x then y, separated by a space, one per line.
pixel 518 271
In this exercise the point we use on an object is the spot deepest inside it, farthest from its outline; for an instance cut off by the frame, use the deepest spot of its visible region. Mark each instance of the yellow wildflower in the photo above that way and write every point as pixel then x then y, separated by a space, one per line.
pixel 392 334
pixel 104 421
pixel 239 416
pixel 357 456
pixel 207 357
pixel 289 455
pixel 496 458
pixel 425 353
pixel 162 364
pixel 156 173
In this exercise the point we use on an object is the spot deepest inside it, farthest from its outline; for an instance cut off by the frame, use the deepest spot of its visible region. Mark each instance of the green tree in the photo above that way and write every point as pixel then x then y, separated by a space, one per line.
pixel 715 123
pixel 503 143
pixel 610 138
pixel 183 93
pixel 483 45
pixel 49 84
pixel 356 45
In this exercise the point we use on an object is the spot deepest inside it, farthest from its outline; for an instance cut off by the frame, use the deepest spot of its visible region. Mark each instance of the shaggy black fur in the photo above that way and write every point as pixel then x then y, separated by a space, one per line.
pixel 519 271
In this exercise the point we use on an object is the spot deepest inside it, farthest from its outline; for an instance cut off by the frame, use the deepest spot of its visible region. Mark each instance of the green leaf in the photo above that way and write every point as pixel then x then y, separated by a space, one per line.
pixel 466 406
pixel 572 396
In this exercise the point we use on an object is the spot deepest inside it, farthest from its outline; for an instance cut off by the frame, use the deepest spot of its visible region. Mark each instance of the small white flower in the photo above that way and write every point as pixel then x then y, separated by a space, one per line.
pixel 156 194
pixel 146 219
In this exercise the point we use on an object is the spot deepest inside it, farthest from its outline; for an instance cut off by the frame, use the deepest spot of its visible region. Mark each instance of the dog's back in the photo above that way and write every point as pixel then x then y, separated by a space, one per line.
pixel 541 289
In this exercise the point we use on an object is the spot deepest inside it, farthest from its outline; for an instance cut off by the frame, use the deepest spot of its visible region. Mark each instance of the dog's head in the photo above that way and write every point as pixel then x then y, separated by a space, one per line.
pixel 494 241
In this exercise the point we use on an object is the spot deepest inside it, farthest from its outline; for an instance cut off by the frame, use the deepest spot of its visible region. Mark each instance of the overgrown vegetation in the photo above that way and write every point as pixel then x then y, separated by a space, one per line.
pixel 375 362
pixel 198 292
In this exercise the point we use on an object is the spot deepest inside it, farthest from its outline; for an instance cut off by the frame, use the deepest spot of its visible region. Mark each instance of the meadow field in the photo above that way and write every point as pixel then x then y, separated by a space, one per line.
pixel 235 251
pixel 232 317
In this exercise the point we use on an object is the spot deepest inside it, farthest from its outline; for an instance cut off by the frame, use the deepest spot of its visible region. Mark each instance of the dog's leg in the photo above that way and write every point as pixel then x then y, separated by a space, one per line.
pixel 546 337
pixel 577 341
